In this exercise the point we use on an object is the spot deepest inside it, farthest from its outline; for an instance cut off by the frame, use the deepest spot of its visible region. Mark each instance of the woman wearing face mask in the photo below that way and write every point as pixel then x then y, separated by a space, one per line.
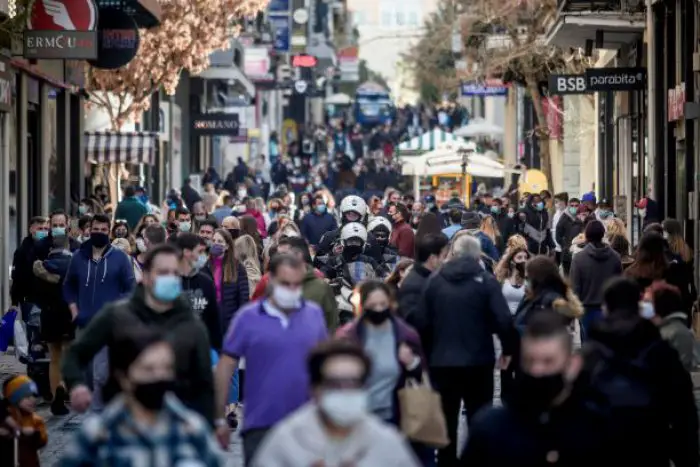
pixel 393 346
pixel 146 420
pixel 120 229
pixel 510 272
pixel 303 209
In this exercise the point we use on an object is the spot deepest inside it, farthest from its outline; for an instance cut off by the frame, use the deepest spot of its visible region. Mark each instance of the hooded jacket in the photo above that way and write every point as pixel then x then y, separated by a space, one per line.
pixel 568 228
pixel 200 290
pixel 411 291
pixel 591 269
pixel 675 436
pixel 193 376
pixel 462 308
pixel 92 284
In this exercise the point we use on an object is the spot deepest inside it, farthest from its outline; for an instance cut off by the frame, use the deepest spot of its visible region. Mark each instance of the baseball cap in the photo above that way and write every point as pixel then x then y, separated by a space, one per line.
pixel 588 197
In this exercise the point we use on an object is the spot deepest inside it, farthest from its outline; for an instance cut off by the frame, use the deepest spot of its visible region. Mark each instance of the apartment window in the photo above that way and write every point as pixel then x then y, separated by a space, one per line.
pixel 386 19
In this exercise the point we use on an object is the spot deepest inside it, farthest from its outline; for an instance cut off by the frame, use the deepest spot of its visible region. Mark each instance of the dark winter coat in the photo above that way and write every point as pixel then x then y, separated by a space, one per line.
pixel 233 294
pixel 462 308
pixel 568 228
pixel 315 225
pixel 199 288
pixel 534 226
pixel 590 270
pixel 56 319
pixel 411 293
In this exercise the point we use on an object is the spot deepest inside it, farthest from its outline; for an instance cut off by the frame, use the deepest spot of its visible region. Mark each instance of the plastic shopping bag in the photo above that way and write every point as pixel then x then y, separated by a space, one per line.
pixel 21 341
pixel 7 328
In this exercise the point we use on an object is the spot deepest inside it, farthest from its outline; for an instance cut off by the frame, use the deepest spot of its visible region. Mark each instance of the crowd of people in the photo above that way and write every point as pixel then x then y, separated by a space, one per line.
pixel 304 314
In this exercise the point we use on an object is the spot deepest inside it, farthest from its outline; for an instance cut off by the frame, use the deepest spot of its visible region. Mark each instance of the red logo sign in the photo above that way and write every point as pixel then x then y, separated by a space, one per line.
pixel 304 61
pixel 63 15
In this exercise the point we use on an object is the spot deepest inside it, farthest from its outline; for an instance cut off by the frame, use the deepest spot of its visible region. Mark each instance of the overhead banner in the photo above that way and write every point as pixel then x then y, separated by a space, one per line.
pixel 616 79
pixel 282 30
pixel 215 124
pixel 117 40
pixel 486 88
pixel 61 29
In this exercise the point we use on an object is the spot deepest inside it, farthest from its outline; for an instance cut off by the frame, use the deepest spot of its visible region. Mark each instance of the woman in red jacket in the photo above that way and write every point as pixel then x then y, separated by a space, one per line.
pixel 402 236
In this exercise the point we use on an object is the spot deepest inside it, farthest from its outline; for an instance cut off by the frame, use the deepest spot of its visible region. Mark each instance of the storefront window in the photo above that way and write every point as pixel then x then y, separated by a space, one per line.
pixel 57 168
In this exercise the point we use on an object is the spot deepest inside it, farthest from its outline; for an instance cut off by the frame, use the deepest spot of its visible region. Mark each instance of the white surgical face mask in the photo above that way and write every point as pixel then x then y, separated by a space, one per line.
pixel 141 245
pixel 646 310
pixel 642 213
pixel 242 193
pixel 285 297
pixel 345 407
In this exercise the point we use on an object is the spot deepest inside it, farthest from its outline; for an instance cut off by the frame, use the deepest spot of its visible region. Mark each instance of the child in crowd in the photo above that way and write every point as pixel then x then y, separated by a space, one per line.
pixel 20 420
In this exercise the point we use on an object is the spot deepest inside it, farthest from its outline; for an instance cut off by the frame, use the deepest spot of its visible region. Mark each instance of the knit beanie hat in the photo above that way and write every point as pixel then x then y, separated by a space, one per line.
pixel 595 231
pixel 19 387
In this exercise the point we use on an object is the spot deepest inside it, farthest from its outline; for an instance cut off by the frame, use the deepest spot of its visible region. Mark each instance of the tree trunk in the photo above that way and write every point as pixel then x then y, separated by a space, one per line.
pixel 542 130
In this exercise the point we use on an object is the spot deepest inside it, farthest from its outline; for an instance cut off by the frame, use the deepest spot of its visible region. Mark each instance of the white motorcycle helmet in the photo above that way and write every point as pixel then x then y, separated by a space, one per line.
pixel 353 204
pixel 379 221
pixel 353 231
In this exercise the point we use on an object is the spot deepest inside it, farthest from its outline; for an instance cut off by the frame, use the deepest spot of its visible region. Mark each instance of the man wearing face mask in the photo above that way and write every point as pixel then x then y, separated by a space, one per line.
pixel 151 236
pixel 570 225
pixel 335 428
pixel 533 224
pixel 318 222
pixel 274 335
pixel 22 291
pixel 545 420
pixel 59 226
pixel 98 275
pixel 561 201
pixel 157 302
pixel 353 237
pixel 183 223
pixel 198 286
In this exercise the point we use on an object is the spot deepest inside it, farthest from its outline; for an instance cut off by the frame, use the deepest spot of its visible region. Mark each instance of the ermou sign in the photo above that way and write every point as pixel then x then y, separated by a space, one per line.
pixel 215 125
pixel 61 29
pixel 118 39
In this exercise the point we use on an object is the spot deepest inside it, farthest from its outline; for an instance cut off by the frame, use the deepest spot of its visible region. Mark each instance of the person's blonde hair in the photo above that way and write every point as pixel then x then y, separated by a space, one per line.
pixel 490 228
pixel 503 269
pixel 516 241
pixel 615 226
pixel 245 250
pixel 122 244
pixel 220 202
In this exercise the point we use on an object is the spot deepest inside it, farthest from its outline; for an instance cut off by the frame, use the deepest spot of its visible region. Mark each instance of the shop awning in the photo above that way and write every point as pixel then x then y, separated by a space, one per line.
pixel 112 147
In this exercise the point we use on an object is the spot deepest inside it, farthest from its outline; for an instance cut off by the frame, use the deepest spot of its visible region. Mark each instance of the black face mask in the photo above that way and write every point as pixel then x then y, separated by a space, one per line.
pixel 99 239
pixel 539 391
pixel 152 395
pixel 235 233
pixel 377 317
pixel 520 267
pixel 351 251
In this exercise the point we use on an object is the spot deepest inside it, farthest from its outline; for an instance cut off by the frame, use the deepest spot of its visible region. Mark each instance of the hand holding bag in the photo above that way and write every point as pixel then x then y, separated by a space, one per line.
pixel 422 419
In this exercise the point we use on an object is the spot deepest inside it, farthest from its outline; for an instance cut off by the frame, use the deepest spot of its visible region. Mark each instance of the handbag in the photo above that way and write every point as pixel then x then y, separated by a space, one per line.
pixel 422 418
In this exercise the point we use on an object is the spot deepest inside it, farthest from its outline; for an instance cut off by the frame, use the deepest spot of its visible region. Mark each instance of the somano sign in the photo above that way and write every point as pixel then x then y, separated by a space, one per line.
pixel 61 29
pixel 216 125
pixel 616 79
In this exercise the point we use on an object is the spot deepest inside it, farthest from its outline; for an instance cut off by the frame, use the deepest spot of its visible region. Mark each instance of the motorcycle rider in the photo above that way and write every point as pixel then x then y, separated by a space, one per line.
pixel 381 228
pixel 352 209
pixel 351 264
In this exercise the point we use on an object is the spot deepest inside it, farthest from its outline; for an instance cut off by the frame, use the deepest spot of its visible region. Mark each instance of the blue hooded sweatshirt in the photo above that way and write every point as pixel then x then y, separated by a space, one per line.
pixel 92 284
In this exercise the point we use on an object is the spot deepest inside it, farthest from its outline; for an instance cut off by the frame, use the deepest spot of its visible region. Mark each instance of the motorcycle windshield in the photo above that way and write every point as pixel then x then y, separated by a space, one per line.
pixel 360 271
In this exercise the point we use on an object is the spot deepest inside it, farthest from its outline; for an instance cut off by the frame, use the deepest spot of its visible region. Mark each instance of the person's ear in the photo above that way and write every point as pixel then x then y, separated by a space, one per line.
pixel 574 367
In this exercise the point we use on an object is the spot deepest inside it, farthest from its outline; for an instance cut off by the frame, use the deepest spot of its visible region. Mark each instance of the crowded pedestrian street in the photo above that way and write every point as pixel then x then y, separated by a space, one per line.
pixel 339 233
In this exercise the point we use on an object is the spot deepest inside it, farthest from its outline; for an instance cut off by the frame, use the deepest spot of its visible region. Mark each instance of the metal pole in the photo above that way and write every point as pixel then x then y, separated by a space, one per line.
pixel 651 104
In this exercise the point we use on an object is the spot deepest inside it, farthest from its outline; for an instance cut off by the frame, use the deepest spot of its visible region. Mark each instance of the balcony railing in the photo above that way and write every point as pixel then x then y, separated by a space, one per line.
pixel 590 5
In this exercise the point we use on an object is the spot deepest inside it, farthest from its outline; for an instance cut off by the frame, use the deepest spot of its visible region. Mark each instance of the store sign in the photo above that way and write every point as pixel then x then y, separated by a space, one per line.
pixel 304 61
pixel 676 103
pixel 118 39
pixel 5 86
pixel 256 64
pixel 216 125
pixel 486 88
pixel 349 64
pixel 61 29
pixel 567 84
pixel 616 79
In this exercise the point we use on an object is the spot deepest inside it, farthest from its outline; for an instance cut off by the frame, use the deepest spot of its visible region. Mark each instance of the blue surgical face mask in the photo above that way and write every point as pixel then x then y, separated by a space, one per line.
pixel 82 209
pixel 200 262
pixel 167 288
pixel 646 310
pixel 495 209
pixel 604 214
pixel 321 208
pixel 539 206
pixel 185 226
pixel 40 234
pixel 58 231
pixel 573 210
